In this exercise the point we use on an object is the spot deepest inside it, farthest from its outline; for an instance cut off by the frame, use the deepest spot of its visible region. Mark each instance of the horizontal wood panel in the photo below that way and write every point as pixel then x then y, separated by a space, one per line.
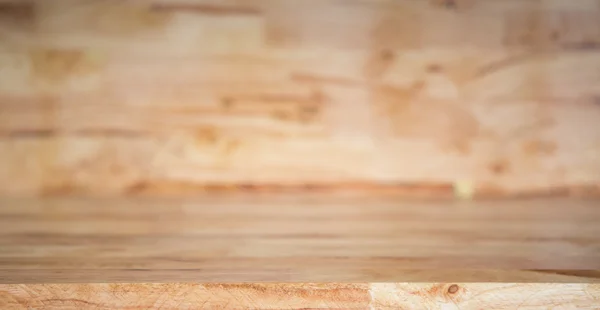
pixel 291 238
pixel 172 97
pixel 302 296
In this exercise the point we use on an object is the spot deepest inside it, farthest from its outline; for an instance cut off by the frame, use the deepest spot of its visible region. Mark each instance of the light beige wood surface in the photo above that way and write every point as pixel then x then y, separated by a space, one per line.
pixel 296 238
pixel 302 296
pixel 161 96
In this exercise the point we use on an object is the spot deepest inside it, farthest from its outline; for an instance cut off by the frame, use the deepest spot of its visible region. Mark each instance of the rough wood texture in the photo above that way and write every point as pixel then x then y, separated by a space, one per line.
pixel 295 238
pixel 302 296
pixel 120 97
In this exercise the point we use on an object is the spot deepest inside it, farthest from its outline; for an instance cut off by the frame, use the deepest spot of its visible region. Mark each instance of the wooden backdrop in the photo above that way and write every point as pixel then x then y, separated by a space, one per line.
pixel 109 97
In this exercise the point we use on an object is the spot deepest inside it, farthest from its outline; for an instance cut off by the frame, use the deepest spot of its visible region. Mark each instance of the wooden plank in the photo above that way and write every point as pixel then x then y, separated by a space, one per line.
pixel 169 97
pixel 293 238
pixel 302 296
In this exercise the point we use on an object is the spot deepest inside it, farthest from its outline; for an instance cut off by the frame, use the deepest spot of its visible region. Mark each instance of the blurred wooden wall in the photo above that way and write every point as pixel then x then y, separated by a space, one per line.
pixel 177 96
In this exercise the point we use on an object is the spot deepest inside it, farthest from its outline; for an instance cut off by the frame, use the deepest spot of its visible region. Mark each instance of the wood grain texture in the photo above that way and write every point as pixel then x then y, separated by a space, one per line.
pixel 389 98
pixel 296 238
pixel 302 296
pixel 169 97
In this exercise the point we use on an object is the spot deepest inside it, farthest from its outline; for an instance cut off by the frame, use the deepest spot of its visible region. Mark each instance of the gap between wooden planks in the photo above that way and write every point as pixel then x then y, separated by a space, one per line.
pixel 302 296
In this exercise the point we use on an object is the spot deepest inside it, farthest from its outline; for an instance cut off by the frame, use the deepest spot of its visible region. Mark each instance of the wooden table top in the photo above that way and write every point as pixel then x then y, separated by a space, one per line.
pixel 225 238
